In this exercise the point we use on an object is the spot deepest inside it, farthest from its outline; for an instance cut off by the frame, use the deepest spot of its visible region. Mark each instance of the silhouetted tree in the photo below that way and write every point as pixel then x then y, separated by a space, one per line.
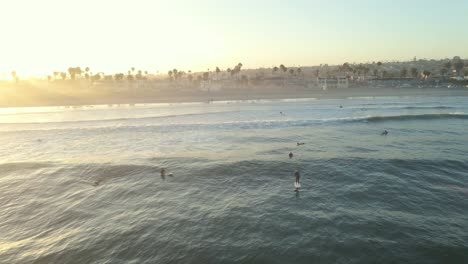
pixel 448 65
pixel 283 68
pixel 119 76
pixel 96 77
pixel 63 75
pixel 274 70
pixel 71 71
pixel 139 75
pixel 170 74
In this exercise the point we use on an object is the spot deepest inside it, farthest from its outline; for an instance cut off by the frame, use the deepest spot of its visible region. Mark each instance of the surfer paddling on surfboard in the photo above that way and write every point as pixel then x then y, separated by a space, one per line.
pixel 297 184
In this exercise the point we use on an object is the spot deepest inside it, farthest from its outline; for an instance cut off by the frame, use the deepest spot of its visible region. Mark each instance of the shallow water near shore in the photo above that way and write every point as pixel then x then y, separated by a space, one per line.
pixel 82 184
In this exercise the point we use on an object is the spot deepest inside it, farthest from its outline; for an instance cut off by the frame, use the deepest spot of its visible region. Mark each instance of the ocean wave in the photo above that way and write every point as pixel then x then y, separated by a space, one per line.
pixel 428 107
pixel 253 124
pixel 416 117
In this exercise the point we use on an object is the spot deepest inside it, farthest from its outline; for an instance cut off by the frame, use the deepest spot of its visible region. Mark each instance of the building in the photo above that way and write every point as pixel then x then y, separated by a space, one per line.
pixel 340 82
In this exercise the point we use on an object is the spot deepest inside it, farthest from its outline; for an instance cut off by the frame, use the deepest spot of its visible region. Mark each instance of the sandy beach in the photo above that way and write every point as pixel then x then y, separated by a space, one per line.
pixel 30 96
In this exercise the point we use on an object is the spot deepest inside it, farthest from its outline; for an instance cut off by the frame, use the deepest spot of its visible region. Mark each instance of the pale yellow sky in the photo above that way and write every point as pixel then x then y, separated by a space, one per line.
pixel 39 37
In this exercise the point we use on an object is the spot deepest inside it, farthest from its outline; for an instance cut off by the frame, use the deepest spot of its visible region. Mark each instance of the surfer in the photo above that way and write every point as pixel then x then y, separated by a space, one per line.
pixel 296 183
pixel 384 133
pixel 163 174
pixel 290 155
pixel 299 143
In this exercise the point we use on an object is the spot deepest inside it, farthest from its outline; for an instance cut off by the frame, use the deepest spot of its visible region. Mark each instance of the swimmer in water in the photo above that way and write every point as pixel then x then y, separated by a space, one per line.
pixel 290 155
pixel 163 174
pixel 384 133
pixel 299 143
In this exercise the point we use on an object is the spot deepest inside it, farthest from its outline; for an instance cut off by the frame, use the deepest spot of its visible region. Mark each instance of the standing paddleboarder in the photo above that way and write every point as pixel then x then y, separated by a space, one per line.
pixel 297 184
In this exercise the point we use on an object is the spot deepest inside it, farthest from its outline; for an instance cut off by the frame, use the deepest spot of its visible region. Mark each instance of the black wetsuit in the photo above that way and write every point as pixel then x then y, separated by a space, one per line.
pixel 297 175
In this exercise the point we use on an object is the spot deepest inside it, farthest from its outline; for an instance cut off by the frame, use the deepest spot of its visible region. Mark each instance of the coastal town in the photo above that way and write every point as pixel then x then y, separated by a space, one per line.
pixel 83 85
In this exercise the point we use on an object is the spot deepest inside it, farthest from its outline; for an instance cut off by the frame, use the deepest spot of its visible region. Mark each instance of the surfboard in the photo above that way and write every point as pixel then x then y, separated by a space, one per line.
pixel 297 185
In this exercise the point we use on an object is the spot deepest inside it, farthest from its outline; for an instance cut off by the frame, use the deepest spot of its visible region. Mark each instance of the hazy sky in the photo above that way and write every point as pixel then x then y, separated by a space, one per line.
pixel 39 37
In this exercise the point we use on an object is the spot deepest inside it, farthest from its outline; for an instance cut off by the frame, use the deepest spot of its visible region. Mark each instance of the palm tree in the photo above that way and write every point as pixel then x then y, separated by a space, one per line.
pixel 291 71
pixel 133 69
pixel 63 75
pixel 87 69
pixel 379 63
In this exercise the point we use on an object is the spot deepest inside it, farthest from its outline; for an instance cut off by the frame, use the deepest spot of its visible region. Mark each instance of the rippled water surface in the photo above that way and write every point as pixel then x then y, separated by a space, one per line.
pixel 82 184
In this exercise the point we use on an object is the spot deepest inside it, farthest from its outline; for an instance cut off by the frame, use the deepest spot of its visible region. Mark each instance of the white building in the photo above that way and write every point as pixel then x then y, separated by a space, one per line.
pixel 340 82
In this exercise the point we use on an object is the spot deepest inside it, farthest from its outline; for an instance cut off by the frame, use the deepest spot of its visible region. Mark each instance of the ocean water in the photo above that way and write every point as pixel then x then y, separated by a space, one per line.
pixel 82 184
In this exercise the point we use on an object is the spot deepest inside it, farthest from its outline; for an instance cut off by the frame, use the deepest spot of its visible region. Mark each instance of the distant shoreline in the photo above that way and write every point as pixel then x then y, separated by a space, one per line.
pixel 240 95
